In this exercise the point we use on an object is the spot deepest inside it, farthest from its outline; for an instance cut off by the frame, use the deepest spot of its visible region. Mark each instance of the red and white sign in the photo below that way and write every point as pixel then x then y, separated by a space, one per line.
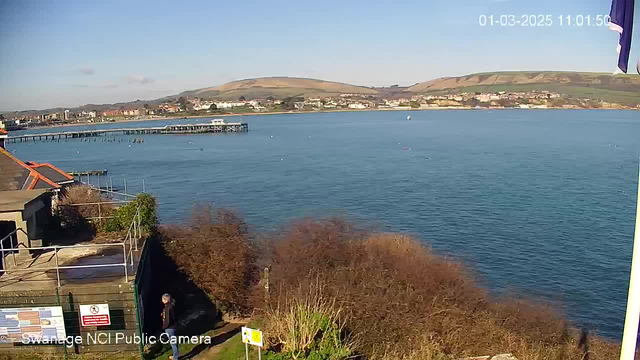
pixel 95 315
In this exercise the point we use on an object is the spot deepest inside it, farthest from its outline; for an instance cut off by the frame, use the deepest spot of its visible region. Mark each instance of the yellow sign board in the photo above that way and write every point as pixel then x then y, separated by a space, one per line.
pixel 252 337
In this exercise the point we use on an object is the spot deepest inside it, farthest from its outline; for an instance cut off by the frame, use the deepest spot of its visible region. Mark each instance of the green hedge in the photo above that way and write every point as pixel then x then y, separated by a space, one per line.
pixel 124 215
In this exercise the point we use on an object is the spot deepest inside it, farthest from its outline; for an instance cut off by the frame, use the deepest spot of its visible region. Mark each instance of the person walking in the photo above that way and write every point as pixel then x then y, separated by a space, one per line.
pixel 169 323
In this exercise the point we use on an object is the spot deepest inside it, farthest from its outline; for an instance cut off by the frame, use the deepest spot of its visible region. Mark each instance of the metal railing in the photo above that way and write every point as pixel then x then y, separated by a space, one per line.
pixel 129 250
pixel 109 187
pixel 99 205
pixel 124 199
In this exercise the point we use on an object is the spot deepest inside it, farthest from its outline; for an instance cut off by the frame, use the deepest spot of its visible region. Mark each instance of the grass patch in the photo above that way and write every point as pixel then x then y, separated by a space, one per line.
pixel 233 349
pixel 308 325
pixel 57 356
pixel 219 336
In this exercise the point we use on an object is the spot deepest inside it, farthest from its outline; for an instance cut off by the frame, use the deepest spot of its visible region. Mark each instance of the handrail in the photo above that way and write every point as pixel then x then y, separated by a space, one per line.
pixel 99 203
pixel 13 232
pixel 134 232
pixel 61 246
pixel 10 236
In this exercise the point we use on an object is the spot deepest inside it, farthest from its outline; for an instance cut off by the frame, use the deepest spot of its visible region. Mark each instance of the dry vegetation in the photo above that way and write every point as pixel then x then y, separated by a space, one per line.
pixel 383 296
pixel 306 324
pixel 74 215
pixel 215 252
pixel 404 302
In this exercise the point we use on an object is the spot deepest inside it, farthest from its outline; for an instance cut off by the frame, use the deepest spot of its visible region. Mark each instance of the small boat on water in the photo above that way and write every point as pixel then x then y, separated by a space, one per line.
pixel 409 117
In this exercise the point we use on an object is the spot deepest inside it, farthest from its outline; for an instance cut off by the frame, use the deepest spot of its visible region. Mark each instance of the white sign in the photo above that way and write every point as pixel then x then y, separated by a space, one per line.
pixel 95 315
pixel 31 324
pixel 252 336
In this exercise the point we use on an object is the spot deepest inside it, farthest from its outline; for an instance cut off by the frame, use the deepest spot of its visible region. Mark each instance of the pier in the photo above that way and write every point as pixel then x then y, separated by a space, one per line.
pixel 88 173
pixel 215 126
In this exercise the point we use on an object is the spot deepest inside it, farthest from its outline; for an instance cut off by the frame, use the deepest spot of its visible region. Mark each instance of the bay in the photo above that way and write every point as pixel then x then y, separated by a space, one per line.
pixel 534 202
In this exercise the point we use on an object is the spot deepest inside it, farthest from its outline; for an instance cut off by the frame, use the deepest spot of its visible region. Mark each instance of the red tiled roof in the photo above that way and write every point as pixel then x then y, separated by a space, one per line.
pixel 34 176
pixel 35 165
pixel 3 132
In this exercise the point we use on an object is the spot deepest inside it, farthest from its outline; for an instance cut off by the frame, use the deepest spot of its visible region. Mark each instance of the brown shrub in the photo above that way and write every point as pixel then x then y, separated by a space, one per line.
pixel 75 215
pixel 407 303
pixel 216 253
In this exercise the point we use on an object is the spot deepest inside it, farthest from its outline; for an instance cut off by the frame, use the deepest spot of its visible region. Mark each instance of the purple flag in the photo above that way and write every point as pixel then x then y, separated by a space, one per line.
pixel 622 22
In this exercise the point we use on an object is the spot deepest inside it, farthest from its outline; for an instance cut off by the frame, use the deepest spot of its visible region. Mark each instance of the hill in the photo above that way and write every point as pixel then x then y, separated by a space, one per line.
pixel 278 87
pixel 623 89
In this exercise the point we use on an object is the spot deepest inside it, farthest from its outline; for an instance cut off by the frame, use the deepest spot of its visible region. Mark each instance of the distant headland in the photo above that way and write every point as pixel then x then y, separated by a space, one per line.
pixel 496 90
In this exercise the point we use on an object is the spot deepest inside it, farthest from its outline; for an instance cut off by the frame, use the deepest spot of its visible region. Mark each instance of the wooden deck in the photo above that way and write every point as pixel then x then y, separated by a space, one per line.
pixel 169 129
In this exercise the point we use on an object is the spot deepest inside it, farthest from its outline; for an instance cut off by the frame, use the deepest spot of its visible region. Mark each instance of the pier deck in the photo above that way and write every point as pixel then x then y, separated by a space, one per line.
pixel 169 129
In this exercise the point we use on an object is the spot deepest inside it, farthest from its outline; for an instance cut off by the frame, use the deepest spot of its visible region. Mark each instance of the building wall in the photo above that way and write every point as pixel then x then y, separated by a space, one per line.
pixel 27 220
pixel 122 309
pixel 16 217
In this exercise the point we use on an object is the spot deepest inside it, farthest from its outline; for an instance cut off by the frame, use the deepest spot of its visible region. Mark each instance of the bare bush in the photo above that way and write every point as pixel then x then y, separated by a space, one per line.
pixel 72 211
pixel 407 303
pixel 216 253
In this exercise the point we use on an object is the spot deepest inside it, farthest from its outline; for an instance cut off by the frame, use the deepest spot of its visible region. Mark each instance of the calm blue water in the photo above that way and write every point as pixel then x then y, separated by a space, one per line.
pixel 541 202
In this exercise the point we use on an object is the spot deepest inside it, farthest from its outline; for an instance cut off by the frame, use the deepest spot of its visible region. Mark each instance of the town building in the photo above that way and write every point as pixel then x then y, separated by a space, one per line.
pixel 357 106
pixel 112 112
pixel 132 112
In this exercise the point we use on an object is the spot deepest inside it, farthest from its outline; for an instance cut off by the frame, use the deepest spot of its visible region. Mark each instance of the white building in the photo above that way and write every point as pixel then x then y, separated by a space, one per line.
pixel 134 112
pixel 230 104
pixel 204 105
pixel 357 106
pixel 483 97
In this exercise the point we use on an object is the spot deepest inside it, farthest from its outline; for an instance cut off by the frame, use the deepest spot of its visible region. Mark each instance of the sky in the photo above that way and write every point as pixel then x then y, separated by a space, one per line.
pixel 69 53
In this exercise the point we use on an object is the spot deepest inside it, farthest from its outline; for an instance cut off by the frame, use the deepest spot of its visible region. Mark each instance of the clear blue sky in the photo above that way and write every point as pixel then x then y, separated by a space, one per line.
pixel 69 53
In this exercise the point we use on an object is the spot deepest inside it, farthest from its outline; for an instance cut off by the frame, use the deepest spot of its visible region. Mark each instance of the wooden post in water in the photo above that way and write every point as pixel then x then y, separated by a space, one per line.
pixel 630 334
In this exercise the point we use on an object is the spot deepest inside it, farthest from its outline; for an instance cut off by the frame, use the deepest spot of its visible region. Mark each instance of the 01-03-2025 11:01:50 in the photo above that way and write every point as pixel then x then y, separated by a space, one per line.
pixel 543 20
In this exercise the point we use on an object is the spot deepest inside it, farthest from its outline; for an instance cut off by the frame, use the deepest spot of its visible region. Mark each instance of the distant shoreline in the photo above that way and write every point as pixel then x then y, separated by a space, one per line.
pixel 291 113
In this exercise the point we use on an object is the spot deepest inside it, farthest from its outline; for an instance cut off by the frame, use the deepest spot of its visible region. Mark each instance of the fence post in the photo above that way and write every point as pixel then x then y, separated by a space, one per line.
pixel 13 252
pixel 135 227
pixel 4 266
pixel 59 304
pixel 124 251
pixel 55 249
pixel 139 228
pixel 138 325
pixel 266 284
pixel 135 224
pixel 99 211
